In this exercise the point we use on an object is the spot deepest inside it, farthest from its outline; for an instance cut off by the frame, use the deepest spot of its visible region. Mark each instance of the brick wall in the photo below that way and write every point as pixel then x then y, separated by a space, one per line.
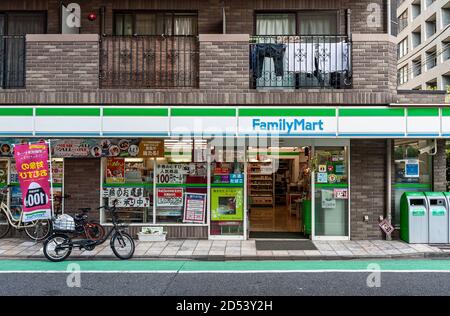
pixel 374 66
pixel 224 62
pixel 368 187
pixel 82 183
pixel 421 97
pixel 53 64
pixel 440 167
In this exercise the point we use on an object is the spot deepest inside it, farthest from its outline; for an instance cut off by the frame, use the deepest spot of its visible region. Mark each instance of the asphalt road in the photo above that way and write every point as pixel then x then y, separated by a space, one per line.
pixel 225 284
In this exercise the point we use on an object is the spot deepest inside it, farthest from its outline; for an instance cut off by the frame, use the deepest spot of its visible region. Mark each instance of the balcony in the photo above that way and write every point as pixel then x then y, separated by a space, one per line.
pixel 12 61
pixel 296 62
pixel 149 62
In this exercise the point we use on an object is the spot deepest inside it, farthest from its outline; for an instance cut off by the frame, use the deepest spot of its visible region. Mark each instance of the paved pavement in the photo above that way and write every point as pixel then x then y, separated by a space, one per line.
pixel 237 250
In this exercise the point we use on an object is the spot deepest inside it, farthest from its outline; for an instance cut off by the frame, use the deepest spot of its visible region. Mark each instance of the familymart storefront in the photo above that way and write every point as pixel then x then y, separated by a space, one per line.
pixel 218 173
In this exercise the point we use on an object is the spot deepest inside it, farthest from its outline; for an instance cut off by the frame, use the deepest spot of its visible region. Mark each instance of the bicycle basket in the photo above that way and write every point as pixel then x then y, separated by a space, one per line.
pixel 64 223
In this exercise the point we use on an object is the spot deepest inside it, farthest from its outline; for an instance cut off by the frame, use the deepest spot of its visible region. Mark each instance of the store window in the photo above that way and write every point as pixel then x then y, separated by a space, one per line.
pixel 176 185
pixel 227 197
pixel 181 182
pixel 129 181
pixel 413 171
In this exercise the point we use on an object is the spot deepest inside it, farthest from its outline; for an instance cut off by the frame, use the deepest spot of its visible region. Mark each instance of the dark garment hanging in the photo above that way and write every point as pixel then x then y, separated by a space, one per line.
pixel 274 51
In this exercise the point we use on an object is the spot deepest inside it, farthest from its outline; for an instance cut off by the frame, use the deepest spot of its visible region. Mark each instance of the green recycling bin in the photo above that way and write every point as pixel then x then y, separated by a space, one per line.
pixel 437 218
pixel 414 218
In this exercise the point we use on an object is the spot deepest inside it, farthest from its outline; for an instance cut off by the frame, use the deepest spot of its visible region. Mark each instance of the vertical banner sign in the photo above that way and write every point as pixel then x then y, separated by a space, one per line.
pixel 33 171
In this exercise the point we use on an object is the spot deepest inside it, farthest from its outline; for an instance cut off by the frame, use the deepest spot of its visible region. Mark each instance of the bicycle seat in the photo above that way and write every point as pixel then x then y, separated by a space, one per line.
pixel 84 209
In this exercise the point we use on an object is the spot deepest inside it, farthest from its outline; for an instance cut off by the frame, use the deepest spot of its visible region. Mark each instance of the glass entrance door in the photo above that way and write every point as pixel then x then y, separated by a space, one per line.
pixel 331 193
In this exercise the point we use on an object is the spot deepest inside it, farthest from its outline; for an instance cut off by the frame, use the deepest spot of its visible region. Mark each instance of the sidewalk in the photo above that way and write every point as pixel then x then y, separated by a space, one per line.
pixel 236 250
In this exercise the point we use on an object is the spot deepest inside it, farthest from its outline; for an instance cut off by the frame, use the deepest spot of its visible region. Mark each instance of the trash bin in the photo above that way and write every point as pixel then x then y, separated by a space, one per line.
pixel 437 218
pixel 447 199
pixel 413 218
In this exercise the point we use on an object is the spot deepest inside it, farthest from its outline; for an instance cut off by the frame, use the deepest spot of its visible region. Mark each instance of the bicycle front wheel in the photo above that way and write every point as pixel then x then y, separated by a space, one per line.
pixel 122 244
pixel 39 230
pixel 4 225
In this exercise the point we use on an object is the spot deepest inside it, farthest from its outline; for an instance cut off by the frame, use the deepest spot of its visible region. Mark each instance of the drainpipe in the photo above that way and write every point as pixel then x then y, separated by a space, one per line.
pixel 348 13
pixel 389 183
pixel 388 16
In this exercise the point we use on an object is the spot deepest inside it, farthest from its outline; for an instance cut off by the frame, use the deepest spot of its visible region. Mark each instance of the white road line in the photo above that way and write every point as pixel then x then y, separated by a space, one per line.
pixel 221 271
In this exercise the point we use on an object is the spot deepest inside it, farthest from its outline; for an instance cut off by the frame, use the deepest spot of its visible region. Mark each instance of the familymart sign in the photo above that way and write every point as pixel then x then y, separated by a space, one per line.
pixel 158 121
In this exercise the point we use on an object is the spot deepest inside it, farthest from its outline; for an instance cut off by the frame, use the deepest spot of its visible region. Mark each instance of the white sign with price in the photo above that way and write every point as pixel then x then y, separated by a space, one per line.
pixel 173 173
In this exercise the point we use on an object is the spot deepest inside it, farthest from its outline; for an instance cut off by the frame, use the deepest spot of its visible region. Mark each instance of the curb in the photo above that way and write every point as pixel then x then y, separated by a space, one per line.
pixel 422 255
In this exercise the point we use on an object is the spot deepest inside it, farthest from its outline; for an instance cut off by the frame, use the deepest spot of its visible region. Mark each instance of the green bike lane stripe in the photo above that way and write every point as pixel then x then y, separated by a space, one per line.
pixel 183 266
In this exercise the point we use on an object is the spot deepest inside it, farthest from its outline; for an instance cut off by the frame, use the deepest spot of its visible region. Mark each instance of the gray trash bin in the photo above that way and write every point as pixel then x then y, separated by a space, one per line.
pixel 437 218
pixel 414 218
pixel 447 198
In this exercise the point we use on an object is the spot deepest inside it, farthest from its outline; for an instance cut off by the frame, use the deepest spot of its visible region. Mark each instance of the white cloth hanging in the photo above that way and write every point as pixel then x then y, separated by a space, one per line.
pixel 299 57
pixel 331 57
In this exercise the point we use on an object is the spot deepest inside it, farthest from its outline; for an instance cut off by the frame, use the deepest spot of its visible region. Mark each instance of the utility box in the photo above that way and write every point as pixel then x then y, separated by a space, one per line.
pixel 414 218
pixel 438 226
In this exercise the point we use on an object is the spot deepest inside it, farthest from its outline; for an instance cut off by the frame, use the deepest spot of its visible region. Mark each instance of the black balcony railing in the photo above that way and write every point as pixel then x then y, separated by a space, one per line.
pixel 306 61
pixel 12 61
pixel 149 62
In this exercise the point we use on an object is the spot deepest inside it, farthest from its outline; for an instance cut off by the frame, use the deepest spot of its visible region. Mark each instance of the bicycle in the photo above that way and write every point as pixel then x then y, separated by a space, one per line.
pixel 92 230
pixel 36 230
pixel 59 246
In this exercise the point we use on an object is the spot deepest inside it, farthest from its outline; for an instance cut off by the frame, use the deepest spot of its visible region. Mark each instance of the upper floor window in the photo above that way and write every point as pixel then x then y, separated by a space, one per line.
pixel 299 23
pixel 403 75
pixel 275 24
pixel 402 48
pixel 13 23
pixel 159 23
pixel 403 20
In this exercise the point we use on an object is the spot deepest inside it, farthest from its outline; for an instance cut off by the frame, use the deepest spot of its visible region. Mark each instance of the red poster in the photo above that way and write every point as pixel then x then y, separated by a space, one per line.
pixel 33 172
pixel 115 170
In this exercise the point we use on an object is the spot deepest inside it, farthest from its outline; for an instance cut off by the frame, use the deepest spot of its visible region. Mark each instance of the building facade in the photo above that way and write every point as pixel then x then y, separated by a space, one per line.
pixel 220 119
pixel 423 45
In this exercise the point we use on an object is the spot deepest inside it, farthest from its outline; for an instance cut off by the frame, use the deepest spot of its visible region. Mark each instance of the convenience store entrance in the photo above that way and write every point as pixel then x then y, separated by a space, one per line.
pixel 299 191
pixel 279 183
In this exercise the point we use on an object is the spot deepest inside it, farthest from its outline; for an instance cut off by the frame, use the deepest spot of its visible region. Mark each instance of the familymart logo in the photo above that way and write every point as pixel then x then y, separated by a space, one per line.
pixel 288 125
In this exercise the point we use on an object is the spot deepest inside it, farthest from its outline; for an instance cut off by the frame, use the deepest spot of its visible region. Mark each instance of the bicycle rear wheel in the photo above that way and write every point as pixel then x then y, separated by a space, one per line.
pixel 57 247
pixel 39 230
pixel 94 231
pixel 122 244
pixel 5 226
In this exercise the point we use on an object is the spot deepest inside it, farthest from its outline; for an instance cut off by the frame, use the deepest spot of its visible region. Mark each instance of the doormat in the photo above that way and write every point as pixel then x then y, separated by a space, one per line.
pixel 277 235
pixel 285 245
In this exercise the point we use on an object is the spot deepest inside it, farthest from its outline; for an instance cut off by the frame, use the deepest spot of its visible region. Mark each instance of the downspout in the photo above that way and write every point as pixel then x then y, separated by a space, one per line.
pixel 388 17
pixel 389 184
